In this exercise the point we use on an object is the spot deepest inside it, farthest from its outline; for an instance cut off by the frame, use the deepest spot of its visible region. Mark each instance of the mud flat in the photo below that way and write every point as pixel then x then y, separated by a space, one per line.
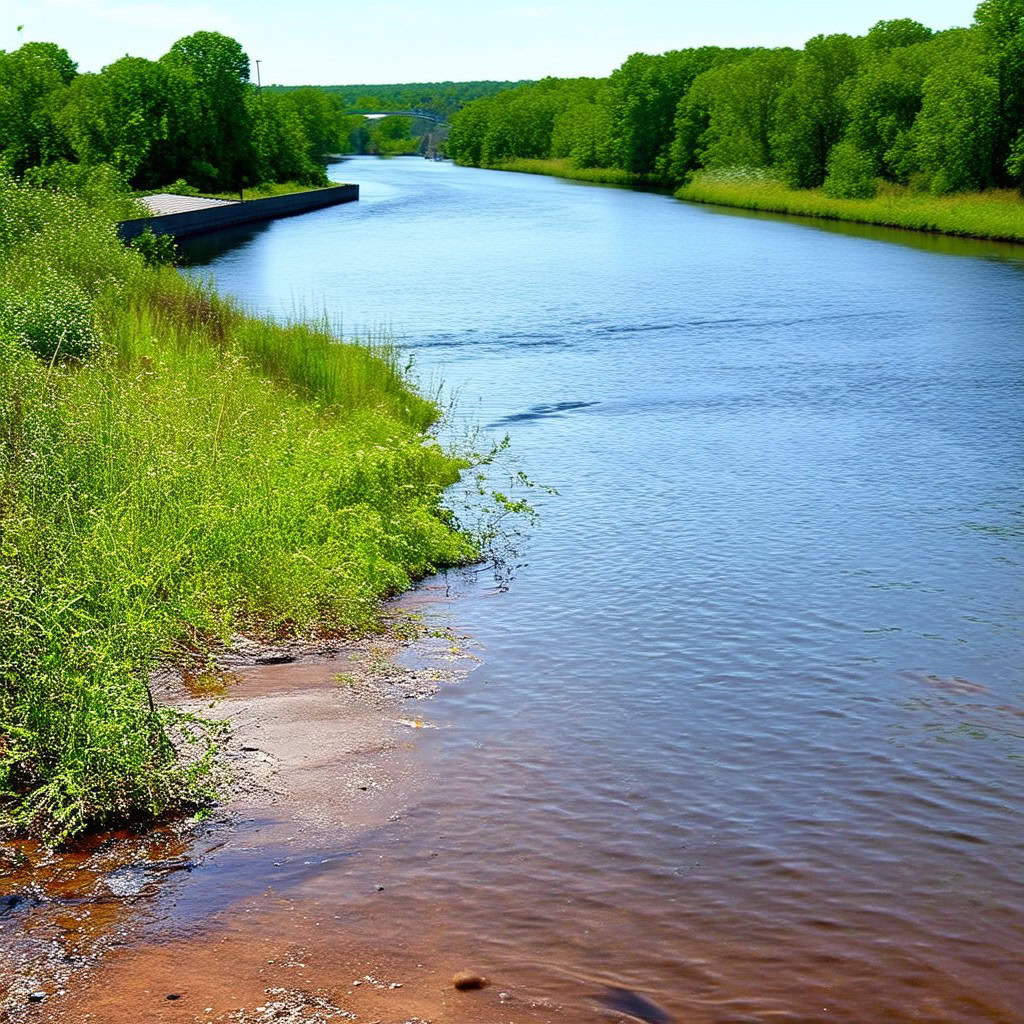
pixel 264 911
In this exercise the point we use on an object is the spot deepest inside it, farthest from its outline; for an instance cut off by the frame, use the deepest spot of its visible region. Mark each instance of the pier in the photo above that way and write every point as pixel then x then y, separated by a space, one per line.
pixel 182 216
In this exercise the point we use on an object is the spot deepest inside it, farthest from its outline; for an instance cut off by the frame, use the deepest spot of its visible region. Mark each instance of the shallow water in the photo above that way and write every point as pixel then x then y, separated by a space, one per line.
pixel 747 732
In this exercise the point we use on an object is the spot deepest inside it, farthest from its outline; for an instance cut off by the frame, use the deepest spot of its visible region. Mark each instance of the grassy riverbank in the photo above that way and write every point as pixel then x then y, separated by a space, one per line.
pixel 996 214
pixel 563 168
pixel 172 471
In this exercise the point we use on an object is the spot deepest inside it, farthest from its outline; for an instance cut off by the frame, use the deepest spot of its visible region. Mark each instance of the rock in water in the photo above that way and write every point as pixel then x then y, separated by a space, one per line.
pixel 466 980
pixel 632 1004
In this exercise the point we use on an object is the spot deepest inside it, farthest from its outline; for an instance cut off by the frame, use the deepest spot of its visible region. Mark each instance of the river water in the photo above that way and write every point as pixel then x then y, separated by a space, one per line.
pixel 746 732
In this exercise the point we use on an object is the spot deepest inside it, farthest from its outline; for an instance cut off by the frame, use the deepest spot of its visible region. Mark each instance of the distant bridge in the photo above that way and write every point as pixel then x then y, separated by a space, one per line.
pixel 425 115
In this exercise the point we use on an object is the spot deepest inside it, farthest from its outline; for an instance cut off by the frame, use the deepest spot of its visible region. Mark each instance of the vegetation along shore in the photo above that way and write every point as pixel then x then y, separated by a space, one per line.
pixel 902 126
pixel 174 471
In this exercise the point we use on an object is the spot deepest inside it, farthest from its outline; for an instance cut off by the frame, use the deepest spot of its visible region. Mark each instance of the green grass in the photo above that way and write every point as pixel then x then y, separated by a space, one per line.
pixel 261 191
pixel 995 214
pixel 270 188
pixel 187 472
pixel 563 168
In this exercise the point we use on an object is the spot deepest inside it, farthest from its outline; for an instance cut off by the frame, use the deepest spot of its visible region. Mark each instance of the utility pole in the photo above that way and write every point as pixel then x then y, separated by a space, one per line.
pixel 259 84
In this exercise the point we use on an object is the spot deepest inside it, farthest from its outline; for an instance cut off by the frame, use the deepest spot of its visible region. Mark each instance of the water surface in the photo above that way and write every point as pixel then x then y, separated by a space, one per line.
pixel 747 732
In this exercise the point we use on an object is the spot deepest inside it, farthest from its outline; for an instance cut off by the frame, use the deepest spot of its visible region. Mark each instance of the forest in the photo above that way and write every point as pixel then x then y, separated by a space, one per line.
pixel 193 119
pixel 938 112
pixel 441 98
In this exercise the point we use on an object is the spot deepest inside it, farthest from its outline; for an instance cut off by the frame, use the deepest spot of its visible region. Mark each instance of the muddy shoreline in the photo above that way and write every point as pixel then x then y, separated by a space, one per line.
pixel 208 919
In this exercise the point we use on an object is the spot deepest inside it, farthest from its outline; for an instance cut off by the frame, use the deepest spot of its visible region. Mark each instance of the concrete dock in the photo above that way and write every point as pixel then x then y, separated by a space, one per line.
pixel 182 216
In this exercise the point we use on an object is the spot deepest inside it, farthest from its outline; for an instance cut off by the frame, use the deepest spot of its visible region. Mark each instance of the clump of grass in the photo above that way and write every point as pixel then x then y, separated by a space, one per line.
pixel 995 214
pixel 201 472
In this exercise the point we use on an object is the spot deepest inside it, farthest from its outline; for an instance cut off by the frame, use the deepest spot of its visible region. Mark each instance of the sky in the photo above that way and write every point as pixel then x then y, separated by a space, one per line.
pixel 325 42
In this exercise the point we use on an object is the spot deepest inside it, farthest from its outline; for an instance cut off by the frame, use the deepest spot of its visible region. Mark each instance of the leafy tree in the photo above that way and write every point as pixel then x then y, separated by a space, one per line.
pixel 32 81
pixel 812 111
pixel 280 148
pixel 391 136
pixel 727 118
pixel 645 94
pixel 1001 24
pixel 956 133
pixel 882 104
pixel 219 141
pixel 893 35
pixel 322 118
pixel 118 116
pixel 851 172
pixel 582 132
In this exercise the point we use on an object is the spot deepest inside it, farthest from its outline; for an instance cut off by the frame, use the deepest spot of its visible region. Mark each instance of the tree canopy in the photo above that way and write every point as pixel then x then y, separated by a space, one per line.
pixel 942 111
pixel 192 115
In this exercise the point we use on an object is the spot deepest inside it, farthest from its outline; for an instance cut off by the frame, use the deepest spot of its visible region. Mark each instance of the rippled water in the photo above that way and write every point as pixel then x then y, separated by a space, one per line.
pixel 747 731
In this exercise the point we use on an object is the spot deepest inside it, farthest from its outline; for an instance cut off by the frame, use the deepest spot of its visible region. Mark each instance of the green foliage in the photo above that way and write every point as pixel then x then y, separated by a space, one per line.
pixel 893 35
pixel 645 94
pixel 53 318
pixel 203 472
pixel 727 117
pixel 956 133
pixel 442 98
pixel 851 173
pixel 902 104
pixel 191 116
pixel 156 250
pixel 883 103
pixel 33 80
pixel 1001 25
pixel 812 112
pixel 944 111
pixel 391 136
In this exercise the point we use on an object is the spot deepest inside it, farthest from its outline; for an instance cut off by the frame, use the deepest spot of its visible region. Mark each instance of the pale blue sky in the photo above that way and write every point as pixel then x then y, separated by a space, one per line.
pixel 332 41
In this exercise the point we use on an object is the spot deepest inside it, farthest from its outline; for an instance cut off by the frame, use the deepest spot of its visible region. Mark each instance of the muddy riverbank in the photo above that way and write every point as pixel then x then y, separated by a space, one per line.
pixel 222 919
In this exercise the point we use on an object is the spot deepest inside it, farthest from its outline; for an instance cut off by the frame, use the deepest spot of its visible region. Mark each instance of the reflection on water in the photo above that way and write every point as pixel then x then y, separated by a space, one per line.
pixel 746 738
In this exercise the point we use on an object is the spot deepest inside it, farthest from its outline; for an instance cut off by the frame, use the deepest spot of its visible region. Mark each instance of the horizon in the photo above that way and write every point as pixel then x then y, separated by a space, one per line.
pixel 418 42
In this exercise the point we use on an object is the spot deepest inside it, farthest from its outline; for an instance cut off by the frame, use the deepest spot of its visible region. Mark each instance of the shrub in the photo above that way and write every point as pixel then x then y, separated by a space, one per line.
pixel 156 250
pixel 851 173
pixel 53 319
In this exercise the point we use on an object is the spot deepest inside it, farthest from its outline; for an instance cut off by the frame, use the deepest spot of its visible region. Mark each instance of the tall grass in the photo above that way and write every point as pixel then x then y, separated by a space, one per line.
pixel 195 473
pixel 995 214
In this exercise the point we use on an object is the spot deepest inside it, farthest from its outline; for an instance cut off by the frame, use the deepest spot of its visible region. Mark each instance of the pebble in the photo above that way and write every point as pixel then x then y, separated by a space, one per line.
pixel 36 997
pixel 466 980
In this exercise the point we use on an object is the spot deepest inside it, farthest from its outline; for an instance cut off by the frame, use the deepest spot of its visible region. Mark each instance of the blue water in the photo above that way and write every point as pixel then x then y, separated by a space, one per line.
pixel 747 729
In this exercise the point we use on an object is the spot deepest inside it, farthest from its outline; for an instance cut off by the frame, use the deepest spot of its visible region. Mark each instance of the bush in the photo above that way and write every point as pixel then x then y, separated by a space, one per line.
pixel 156 250
pixel 54 319
pixel 851 173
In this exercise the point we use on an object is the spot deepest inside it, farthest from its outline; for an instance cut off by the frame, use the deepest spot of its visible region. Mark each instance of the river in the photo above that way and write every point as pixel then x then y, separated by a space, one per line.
pixel 746 732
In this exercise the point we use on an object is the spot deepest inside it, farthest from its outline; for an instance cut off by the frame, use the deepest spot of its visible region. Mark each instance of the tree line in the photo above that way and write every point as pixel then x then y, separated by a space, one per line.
pixel 940 111
pixel 441 98
pixel 192 115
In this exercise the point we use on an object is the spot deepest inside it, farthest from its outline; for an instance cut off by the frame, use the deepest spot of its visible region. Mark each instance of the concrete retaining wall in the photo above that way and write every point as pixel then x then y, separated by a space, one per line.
pixel 195 222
